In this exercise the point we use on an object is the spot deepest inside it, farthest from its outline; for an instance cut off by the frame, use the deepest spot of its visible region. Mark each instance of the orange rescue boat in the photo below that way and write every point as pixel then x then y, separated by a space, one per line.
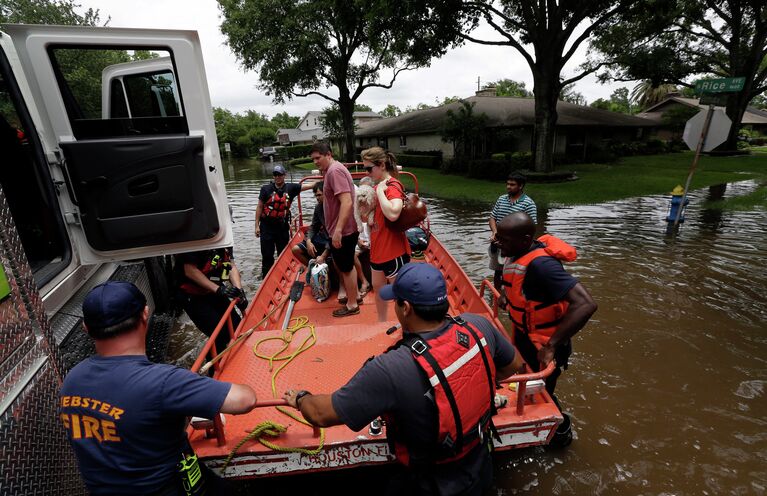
pixel 320 353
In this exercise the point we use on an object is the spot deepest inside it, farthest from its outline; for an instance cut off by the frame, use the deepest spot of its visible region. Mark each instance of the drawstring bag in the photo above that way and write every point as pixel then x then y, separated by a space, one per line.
pixel 318 280
pixel 413 211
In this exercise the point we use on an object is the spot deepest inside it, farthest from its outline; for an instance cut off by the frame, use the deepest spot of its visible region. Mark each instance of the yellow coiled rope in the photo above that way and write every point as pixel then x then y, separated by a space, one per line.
pixel 272 429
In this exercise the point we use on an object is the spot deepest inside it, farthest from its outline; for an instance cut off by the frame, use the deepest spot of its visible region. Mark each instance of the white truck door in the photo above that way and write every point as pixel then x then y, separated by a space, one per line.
pixel 138 184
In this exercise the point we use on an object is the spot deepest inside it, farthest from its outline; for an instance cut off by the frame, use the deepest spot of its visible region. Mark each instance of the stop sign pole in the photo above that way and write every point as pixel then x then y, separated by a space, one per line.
pixel 707 87
pixel 698 149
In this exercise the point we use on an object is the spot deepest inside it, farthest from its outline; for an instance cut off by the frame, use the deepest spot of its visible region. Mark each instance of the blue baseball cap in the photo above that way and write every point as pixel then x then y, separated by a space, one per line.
pixel 278 170
pixel 111 303
pixel 418 283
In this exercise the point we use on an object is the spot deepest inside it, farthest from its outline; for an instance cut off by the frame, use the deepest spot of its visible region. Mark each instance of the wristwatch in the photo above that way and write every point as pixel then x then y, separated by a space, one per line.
pixel 300 395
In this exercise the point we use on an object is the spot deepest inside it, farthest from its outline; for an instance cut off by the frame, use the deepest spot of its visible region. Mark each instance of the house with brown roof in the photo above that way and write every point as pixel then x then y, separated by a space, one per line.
pixel 510 123
pixel 753 117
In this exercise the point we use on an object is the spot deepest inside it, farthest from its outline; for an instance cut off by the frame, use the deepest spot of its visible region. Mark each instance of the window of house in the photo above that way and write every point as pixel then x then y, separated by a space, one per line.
pixel 402 141
pixel 119 92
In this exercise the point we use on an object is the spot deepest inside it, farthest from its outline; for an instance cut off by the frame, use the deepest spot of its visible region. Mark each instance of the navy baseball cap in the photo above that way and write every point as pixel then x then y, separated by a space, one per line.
pixel 111 303
pixel 418 283
pixel 278 170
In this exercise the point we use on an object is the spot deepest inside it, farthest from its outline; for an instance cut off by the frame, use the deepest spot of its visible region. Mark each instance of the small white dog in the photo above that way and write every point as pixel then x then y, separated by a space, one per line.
pixel 365 205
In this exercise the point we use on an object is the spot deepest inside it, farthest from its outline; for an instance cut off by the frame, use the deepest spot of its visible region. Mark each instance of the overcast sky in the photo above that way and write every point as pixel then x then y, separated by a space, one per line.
pixel 231 87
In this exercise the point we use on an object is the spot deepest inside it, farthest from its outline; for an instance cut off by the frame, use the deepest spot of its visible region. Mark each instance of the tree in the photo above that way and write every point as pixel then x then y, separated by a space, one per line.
pixel 509 87
pixel 358 107
pixel 47 12
pixel 676 117
pixel 420 106
pixel 390 111
pixel 547 35
pixel 600 103
pixel 645 95
pixel 331 48
pixel 568 94
pixel 704 37
pixel 465 130
pixel 246 132
pixel 448 100
pixel 759 101
pixel 285 121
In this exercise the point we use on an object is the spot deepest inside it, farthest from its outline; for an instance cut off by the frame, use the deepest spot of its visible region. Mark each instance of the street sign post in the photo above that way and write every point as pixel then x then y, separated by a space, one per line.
pixel 723 85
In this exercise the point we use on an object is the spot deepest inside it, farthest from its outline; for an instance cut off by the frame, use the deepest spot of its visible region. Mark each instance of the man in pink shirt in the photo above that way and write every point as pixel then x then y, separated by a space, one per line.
pixel 339 221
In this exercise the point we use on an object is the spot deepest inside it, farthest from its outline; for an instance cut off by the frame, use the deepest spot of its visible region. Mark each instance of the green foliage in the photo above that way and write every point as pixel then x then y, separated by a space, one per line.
pixel 759 101
pixel 568 94
pixel 284 121
pixel 332 48
pixel 677 116
pixel 645 95
pixel 448 100
pixel 679 40
pixel 359 107
pixel 464 129
pixel 245 132
pixel 509 87
pixel 390 111
pixel 300 161
pixel 420 106
pixel 296 151
pixel 46 12
pixel 332 122
pixel 619 102
pixel 425 161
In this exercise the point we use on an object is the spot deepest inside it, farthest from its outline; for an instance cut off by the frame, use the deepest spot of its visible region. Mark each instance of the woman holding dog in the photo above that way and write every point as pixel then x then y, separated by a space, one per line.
pixel 389 249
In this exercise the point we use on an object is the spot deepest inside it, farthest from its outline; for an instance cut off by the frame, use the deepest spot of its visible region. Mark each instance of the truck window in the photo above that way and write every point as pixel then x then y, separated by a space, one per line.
pixel 137 101
pixel 27 185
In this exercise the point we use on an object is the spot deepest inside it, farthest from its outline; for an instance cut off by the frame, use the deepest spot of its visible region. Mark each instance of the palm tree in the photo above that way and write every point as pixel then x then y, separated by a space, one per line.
pixel 645 95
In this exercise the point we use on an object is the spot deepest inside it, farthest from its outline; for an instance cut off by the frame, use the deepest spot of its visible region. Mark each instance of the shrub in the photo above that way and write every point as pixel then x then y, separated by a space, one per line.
pixel 427 153
pixel 489 169
pixel 425 161
pixel 598 155
pixel 761 141
pixel 296 151
pixel 299 161
pixel 455 165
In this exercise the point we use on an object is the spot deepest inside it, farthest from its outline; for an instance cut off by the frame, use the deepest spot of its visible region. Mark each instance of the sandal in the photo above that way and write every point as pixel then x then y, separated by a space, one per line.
pixel 345 312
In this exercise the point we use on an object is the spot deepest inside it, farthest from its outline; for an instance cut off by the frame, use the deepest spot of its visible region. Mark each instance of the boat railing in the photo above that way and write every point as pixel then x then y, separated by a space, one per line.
pixel 496 295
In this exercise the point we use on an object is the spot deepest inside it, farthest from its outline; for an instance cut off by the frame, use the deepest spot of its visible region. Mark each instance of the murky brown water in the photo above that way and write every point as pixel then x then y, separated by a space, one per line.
pixel 667 383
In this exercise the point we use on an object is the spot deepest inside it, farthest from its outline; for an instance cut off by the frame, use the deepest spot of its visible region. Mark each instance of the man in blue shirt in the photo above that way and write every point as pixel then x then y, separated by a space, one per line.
pixel 124 415
pixel 395 386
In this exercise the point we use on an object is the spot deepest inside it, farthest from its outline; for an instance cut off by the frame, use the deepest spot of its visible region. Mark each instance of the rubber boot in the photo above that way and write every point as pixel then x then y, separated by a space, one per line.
pixel 564 434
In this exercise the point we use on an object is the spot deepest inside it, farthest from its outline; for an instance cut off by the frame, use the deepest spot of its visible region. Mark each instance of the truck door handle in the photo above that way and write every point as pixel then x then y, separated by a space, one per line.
pixel 144 186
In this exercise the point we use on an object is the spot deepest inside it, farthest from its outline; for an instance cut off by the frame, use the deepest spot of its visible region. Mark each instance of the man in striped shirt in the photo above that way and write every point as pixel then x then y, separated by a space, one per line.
pixel 515 200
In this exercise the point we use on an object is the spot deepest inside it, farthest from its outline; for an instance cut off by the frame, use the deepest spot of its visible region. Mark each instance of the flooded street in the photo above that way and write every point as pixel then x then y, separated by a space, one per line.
pixel 666 386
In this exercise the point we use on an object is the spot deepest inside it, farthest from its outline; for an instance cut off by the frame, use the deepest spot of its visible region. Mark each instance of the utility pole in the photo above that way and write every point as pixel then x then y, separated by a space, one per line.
pixel 477 83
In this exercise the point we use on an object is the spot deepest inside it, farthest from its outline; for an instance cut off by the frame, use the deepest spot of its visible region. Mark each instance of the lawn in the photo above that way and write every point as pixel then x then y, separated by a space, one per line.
pixel 632 176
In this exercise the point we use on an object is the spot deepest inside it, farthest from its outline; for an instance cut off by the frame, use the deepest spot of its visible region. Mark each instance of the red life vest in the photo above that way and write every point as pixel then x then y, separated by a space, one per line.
pixel 461 372
pixel 537 319
pixel 277 205
pixel 216 268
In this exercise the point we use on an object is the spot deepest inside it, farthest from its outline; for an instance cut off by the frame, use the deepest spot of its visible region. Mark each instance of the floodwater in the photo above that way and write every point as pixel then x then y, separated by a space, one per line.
pixel 666 386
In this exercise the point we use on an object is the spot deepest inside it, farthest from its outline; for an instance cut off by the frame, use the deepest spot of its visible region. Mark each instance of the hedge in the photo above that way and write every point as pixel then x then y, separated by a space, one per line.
pixel 299 161
pixel 296 151
pixel 425 161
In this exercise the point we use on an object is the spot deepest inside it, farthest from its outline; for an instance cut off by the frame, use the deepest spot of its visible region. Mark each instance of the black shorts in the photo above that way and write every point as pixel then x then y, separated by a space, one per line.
pixel 391 267
pixel 344 256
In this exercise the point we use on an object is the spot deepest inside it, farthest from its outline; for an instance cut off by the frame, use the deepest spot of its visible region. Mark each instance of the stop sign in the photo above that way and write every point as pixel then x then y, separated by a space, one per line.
pixel 717 130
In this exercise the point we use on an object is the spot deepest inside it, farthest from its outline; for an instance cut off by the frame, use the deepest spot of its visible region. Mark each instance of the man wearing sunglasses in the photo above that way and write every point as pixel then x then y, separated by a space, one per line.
pixel 273 216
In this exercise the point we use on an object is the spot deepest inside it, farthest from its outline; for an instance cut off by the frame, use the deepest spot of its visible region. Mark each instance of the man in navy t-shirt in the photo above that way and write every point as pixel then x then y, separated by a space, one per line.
pixel 547 306
pixel 124 415
pixel 394 385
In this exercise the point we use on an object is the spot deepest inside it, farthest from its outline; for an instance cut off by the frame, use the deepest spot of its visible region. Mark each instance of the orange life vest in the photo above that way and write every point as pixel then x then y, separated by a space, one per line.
pixel 537 319
pixel 461 372
pixel 277 205
pixel 216 268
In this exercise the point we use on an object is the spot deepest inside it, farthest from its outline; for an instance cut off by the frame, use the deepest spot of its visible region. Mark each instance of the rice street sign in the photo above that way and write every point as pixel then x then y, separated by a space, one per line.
pixel 723 85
